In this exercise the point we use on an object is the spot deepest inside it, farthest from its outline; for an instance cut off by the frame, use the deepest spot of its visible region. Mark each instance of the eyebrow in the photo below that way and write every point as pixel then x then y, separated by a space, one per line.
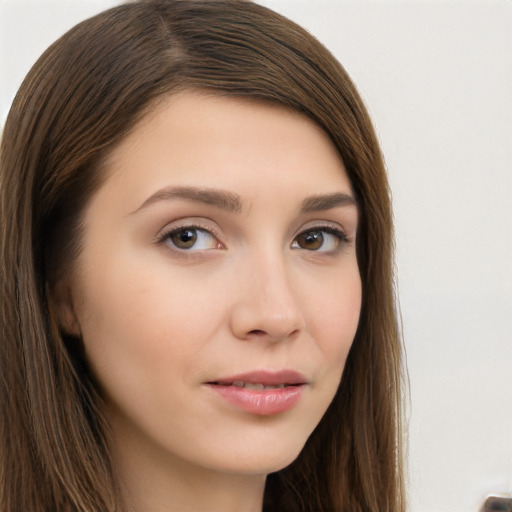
pixel 221 199
pixel 231 202
pixel 326 202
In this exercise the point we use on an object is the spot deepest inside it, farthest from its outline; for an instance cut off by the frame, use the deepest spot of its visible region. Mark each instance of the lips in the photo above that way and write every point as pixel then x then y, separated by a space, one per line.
pixel 261 393
pixel 281 378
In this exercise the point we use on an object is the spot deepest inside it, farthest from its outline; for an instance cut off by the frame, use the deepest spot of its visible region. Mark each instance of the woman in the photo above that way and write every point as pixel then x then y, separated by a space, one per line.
pixel 198 310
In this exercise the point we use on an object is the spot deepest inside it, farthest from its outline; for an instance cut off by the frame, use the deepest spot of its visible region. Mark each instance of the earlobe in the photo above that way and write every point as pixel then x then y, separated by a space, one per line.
pixel 63 311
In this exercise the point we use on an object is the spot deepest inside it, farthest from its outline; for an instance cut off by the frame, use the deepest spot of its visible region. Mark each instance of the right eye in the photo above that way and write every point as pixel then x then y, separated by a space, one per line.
pixel 190 238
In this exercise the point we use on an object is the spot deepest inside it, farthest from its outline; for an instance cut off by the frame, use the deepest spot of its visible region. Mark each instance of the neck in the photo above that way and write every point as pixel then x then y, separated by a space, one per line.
pixel 156 491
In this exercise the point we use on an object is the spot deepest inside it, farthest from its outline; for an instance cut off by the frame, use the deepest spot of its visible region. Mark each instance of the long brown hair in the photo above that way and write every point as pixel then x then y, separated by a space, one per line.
pixel 81 98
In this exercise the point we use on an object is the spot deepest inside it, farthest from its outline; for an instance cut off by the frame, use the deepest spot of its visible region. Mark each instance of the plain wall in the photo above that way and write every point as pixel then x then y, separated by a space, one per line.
pixel 437 77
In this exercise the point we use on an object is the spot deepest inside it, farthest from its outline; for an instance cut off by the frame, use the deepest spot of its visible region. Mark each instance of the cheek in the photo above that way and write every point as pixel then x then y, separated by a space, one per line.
pixel 140 326
pixel 334 316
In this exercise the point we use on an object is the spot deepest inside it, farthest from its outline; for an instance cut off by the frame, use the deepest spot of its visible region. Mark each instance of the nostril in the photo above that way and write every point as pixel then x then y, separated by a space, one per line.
pixel 272 335
pixel 257 332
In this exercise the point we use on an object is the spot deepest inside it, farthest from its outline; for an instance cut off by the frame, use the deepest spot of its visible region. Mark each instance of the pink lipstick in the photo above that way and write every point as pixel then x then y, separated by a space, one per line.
pixel 262 393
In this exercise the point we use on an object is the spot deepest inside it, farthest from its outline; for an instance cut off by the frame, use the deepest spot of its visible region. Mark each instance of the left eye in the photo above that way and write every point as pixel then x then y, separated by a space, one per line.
pixel 194 238
pixel 320 240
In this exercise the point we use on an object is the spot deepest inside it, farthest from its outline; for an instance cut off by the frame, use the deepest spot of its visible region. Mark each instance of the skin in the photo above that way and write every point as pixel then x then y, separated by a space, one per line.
pixel 159 321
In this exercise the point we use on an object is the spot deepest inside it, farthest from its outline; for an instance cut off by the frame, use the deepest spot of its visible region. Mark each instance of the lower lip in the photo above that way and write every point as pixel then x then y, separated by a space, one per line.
pixel 263 402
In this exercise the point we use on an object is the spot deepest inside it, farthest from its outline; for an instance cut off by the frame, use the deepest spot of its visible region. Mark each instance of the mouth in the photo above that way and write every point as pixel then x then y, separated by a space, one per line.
pixel 259 386
pixel 261 393
pixel 262 380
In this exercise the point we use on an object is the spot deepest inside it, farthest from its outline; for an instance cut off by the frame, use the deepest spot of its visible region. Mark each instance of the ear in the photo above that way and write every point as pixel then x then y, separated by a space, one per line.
pixel 62 309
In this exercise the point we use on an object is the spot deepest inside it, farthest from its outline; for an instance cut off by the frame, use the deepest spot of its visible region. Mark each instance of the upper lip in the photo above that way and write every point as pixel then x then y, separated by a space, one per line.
pixel 265 377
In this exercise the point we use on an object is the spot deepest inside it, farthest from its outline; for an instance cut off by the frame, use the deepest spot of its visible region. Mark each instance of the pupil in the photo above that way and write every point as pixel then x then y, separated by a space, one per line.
pixel 185 238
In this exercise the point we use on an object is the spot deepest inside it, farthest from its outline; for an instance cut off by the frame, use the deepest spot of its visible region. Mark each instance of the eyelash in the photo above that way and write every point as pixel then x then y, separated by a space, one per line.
pixel 330 230
pixel 164 238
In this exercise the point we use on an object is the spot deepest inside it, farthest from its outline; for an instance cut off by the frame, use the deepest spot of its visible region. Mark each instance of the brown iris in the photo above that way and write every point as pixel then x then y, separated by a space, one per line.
pixel 311 240
pixel 184 238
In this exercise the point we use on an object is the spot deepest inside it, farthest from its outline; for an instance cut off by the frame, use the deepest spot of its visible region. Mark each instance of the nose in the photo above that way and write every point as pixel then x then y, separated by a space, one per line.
pixel 266 306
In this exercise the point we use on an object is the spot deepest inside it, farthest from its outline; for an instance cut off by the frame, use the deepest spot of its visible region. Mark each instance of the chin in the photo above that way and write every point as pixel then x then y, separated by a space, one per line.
pixel 264 455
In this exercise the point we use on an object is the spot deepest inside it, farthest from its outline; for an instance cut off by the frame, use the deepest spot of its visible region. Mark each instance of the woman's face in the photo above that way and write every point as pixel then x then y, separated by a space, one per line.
pixel 218 258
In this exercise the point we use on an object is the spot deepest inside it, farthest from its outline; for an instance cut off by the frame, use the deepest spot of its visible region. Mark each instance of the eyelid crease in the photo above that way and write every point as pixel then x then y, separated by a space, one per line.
pixel 324 225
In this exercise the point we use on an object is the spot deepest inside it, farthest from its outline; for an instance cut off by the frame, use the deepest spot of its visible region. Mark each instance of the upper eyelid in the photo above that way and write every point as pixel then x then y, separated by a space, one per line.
pixel 322 225
pixel 184 224
pixel 334 231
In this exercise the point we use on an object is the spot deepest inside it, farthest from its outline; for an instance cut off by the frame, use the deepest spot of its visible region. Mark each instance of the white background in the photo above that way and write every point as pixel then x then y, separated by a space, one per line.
pixel 437 77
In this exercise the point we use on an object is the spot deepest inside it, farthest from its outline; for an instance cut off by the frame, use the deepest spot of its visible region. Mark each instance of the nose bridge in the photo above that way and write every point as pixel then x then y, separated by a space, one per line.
pixel 267 305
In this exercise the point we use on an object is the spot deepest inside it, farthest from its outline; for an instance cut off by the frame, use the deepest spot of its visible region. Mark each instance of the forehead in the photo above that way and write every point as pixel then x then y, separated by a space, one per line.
pixel 197 112
pixel 197 139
